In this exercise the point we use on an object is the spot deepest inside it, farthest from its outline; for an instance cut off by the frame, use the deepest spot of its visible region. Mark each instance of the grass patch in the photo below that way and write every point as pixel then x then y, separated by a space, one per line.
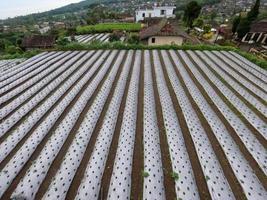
pixel 27 54
pixel 108 27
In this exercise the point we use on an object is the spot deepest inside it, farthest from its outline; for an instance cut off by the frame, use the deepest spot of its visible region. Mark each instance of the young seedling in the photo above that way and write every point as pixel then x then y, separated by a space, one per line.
pixel 145 174
pixel 175 176
pixel 207 178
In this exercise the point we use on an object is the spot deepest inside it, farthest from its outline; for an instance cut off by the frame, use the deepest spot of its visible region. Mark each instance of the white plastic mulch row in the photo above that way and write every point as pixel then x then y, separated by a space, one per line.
pixel 248 113
pixel 103 37
pixel 21 157
pixel 153 184
pixel 250 64
pixel 90 185
pixel 7 123
pixel 36 93
pixel 216 181
pixel 55 142
pixel 25 68
pixel 185 184
pixel 238 79
pixel 36 74
pixel 244 173
pixel 234 68
pixel 120 183
pixel 66 172
pixel 9 64
pixel 247 137
pixel 257 74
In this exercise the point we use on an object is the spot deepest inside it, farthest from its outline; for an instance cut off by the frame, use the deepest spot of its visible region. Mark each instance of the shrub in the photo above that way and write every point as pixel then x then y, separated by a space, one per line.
pixel 133 39
pixel 63 41
pixel 115 36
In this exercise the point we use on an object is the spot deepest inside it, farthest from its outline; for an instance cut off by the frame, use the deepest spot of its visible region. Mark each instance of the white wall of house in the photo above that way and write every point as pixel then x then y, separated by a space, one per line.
pixel 165 40
pixel 164 11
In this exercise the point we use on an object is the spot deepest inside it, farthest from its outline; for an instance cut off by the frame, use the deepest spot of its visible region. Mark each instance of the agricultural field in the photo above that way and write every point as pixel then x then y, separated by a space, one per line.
pixel 87 39
pixel 7 64
pixel 132 124
pixel 108 27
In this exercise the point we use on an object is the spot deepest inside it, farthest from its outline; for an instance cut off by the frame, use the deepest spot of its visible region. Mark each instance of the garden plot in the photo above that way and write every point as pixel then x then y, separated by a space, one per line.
pixel 102 37
pixel 65 115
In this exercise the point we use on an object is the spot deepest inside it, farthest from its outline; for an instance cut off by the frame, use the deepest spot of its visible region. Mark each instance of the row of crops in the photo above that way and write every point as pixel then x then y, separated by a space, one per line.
pixel 108 28
pixel 7 64
pixel 132 124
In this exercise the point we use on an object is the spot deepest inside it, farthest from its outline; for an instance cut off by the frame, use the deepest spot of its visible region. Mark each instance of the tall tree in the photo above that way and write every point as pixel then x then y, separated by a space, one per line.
pixel 253 14
pixel 191 12
pixel 236 22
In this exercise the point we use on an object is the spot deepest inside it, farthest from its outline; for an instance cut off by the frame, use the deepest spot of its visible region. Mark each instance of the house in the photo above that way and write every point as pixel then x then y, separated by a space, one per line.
pixel 155 11
pixel 38 42
pixel 257 33
pixel 163 33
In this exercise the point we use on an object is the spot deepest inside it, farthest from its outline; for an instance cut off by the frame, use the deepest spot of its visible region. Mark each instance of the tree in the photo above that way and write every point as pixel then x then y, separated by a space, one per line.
pixel 243 27
pixel 191 12
pixel 236 22
pixel 199 22
pixel 253 14
pixel 207 28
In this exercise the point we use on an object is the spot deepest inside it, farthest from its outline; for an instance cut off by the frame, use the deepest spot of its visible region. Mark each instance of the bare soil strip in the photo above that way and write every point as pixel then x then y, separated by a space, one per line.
pixel 138 154
pixel 52 91
pixel 252 162
pixel 91 144
pixel 169 182
pixel 222 158
pixel 55 60
pixel 105 182
pixel 195 163
pixel 241 84
pixel 230 105
pixel 240 74
pixel 39 148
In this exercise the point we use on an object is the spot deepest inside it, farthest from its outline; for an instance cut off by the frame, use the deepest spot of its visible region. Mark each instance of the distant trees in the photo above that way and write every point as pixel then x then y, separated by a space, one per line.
pixel 191 12
pixel 242 25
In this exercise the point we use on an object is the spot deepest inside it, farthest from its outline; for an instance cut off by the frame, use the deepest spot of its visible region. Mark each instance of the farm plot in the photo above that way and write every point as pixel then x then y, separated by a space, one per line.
pixel 132 124
pixel 86 39
pixel 8 64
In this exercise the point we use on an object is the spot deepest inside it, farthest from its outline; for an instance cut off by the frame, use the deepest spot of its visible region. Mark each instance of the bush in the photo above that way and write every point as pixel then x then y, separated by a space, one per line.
pixel 13 50
pixel 63 41
pixel 133 39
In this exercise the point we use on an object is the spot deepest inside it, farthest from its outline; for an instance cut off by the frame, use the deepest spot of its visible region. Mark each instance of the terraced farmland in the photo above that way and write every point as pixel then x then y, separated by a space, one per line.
pixel 117 124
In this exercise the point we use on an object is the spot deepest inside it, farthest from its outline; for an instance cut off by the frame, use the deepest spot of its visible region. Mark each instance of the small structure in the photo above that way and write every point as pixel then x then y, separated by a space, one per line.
pixel 156 11
pixel 257 33
pixel 163 33
pixel 38 42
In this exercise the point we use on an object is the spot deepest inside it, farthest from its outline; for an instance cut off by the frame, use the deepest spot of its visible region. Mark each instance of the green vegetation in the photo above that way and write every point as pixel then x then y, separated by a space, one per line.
pixel 191 12
pixel 145 174
pixel 108 27
pixel 244 24
pixel 175 176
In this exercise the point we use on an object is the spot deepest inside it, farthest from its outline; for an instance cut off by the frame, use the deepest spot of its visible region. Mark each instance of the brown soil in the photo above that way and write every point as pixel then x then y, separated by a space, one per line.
pixel 91 144
pixel 169 182
pixel 138 154
pixel 196 166
pixel 260 138
pixel 254 165
pixel 54 61
pixel 27 100
pixel 105 182
pixel 240 74
pixel 39 148
pixel 241 84
pixel 222 158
